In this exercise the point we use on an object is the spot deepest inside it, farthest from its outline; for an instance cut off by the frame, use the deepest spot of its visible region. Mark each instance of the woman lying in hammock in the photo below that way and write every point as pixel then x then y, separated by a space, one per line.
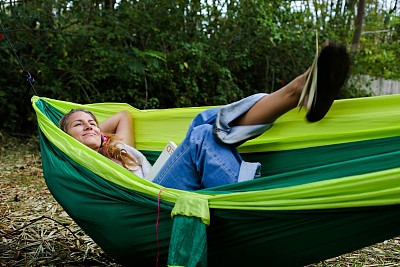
pixel 208 157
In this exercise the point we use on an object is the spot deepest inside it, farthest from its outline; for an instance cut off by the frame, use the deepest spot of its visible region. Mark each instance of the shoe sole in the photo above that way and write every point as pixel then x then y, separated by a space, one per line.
pixel 333 68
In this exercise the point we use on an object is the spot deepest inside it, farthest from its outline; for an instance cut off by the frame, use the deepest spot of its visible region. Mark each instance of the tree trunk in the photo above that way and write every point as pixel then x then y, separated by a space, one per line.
pixel 358 24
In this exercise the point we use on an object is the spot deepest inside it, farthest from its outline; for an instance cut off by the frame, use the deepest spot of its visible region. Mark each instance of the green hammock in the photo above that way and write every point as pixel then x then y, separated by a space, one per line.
pixel 327 188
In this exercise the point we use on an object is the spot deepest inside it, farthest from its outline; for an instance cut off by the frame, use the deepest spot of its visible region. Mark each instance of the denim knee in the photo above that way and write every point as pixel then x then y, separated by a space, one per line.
pixel 207 116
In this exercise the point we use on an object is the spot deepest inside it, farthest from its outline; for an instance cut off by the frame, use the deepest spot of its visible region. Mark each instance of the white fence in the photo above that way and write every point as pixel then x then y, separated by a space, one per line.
pixel 378 86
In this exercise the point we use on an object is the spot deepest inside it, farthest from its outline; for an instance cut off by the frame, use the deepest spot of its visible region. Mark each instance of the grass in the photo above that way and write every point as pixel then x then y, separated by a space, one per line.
pixel 36 231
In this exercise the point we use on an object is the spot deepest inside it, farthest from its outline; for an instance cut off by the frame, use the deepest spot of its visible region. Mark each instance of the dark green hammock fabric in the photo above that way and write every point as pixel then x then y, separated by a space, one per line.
pixel 316 199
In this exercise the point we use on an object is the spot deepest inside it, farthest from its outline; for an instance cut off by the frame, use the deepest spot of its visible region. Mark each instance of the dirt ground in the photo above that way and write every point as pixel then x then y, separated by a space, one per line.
pixel 35 231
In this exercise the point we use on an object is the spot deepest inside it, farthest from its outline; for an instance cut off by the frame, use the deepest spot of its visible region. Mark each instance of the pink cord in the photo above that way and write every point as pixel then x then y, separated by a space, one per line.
pixel 158 218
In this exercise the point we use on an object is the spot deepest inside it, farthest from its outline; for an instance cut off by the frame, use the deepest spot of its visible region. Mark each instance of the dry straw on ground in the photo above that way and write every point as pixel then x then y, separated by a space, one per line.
pixel 35 231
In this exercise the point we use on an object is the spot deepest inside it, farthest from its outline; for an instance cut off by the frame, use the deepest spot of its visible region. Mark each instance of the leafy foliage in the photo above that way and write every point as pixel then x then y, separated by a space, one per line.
pixel 175 53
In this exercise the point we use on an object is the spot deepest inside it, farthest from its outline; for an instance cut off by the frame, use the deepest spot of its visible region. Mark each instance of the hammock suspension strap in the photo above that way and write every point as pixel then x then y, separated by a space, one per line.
pixel 28 77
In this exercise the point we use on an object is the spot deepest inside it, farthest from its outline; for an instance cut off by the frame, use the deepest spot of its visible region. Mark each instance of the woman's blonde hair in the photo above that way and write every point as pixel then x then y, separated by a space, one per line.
pixel 109 148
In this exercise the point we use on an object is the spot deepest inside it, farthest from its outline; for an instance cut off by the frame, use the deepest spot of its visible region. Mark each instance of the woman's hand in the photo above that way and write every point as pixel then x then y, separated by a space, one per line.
pixel 120 124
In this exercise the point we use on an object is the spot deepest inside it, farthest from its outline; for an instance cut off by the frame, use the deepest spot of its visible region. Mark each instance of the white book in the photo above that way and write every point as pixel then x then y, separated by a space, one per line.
pixel 310 87
pixel 164 156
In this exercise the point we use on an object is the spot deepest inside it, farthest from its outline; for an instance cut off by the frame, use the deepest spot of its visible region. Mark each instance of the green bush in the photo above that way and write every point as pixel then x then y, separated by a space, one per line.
pixel 162 54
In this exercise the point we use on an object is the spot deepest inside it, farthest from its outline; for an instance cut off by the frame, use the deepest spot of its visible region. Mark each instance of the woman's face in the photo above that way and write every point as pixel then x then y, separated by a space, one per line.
pixel 83 128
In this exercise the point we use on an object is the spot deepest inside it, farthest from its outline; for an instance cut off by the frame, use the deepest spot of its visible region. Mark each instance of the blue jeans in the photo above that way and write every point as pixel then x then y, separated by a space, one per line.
pixel 208 157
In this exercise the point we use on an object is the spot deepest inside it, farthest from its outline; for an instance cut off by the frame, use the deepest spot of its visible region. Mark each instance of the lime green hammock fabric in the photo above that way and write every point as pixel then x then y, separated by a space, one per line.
pixel 326 188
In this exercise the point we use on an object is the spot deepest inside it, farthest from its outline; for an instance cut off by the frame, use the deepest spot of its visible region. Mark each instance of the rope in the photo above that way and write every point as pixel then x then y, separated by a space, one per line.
pixel 158 218
pixel 25 73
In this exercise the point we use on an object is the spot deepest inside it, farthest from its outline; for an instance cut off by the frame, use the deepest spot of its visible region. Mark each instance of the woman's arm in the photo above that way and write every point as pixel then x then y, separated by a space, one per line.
pixel 120 124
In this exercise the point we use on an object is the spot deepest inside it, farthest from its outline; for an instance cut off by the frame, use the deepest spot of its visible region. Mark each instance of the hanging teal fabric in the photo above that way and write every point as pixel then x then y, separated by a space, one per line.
pixel 188 245
pixel 327 188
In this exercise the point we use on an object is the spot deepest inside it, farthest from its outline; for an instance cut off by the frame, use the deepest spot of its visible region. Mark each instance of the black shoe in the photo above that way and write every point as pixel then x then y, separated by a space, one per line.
pixel 333 68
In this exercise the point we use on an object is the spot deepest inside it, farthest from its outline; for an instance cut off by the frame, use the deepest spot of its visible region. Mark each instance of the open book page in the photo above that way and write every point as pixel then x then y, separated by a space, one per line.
pixel 164 156
pixel 310 87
